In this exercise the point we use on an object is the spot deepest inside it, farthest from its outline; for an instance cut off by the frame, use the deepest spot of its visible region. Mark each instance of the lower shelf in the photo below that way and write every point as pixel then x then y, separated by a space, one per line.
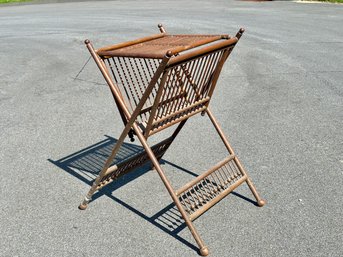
pixel 203 192
pixel 135 161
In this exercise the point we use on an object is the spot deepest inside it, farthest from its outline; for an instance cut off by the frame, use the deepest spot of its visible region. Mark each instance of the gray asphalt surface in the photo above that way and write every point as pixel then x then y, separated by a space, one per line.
pixel 279 99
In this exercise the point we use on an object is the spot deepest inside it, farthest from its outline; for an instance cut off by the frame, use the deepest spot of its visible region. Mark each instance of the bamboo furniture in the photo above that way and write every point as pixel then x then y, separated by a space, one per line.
pixel 163 80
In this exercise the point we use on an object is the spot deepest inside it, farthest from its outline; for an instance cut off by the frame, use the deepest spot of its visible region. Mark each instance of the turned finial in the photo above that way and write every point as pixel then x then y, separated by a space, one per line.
pixel 160 26
pixel 240 33
pixel 169 53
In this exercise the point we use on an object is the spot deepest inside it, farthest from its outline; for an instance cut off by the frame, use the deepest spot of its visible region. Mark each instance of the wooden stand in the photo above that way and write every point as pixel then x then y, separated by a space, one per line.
pixel 160 81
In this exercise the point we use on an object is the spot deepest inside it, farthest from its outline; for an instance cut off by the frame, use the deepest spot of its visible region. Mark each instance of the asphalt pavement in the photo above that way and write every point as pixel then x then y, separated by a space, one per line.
pixel 279 100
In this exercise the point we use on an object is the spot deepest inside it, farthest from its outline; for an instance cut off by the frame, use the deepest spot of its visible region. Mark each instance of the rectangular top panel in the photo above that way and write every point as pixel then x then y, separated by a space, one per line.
pixel 156 46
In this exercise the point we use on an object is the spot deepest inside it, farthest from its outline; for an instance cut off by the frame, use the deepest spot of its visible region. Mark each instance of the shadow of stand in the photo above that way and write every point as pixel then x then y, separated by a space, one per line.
pixel 88 162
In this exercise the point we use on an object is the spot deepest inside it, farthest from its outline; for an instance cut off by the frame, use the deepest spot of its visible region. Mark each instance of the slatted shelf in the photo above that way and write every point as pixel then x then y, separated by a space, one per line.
pixel 122 168
pixel 203 192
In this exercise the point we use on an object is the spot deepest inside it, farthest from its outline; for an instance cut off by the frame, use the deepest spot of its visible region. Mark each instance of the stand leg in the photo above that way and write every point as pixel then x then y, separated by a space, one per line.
pixel 259 200
pixel 115 150
pixel 202 248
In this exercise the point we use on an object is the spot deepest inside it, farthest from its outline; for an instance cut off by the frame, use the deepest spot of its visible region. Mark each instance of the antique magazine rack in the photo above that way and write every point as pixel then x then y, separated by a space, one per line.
pixel 163 80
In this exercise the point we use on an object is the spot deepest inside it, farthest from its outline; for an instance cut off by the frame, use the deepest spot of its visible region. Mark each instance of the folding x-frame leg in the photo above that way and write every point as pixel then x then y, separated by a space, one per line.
pixel 174 194
pixel 202 247
pixel 259 200
pixel 154 160
pixel 115 150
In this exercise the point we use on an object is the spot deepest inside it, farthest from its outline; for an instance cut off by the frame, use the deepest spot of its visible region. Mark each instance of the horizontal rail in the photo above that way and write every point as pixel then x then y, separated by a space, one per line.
pixel 204 41
pixel 224 36
pixel 167 117
pixel 215 200
pixel 198 52
pixel 184 94
pixel 204 175
pixel 102 51
pixel 176 120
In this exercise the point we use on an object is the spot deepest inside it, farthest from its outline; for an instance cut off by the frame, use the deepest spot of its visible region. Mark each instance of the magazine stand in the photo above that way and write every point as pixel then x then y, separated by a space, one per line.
pixel 163 80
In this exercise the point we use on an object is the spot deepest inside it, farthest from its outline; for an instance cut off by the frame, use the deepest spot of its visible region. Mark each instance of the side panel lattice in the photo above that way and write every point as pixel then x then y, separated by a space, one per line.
pixel 132 76
pixel 184 93
pixel 187 85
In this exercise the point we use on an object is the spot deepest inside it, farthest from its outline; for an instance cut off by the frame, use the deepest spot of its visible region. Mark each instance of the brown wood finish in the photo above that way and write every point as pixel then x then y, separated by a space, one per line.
pixel 160 81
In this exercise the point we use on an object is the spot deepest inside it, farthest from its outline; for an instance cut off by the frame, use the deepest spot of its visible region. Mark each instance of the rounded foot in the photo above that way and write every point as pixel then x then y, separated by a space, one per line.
pixel 83 206
pixel 204 251
pixel 261 202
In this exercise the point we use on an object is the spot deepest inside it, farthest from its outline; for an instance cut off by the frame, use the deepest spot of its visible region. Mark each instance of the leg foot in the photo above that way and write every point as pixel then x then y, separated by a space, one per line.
pixel 204 251
pixel 261 202
pixel 83 206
